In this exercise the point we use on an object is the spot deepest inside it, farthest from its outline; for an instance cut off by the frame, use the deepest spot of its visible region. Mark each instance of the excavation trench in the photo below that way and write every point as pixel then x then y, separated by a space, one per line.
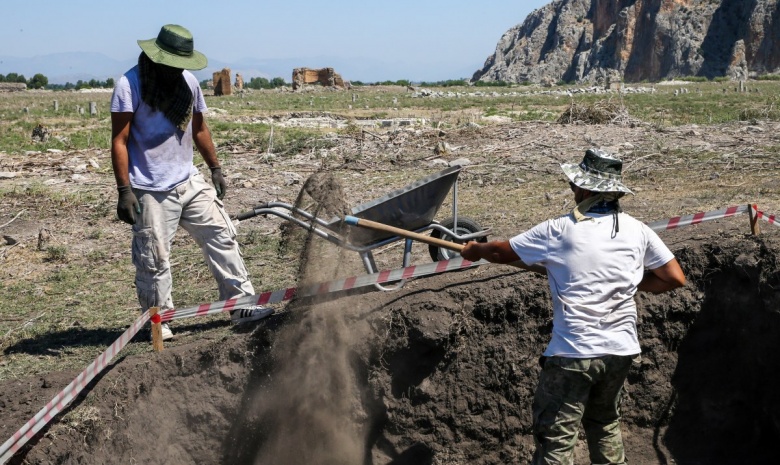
pixel 441 371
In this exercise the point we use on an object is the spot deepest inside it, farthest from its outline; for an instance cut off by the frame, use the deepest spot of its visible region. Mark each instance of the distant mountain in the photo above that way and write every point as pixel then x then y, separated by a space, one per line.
pixel 61 68
pixel 596 40
pixel 74 66
pixel 65 67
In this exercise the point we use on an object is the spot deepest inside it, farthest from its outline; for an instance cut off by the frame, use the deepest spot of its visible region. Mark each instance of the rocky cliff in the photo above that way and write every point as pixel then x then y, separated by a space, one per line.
pixel 636 40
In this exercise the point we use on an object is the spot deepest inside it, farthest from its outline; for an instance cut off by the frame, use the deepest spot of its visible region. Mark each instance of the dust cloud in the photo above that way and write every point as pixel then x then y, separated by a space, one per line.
pixel 310 413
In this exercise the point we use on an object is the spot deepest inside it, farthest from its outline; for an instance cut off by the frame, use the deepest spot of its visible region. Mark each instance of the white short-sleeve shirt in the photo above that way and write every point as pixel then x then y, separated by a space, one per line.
pixel 593 274
pixel 160 154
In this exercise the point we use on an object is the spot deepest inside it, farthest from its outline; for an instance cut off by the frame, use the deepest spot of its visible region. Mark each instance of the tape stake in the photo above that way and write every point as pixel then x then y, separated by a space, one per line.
pixel 755 229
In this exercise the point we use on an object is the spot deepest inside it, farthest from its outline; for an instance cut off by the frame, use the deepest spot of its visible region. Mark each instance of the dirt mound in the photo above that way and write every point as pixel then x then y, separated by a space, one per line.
pixel 604 112
pixel 441 371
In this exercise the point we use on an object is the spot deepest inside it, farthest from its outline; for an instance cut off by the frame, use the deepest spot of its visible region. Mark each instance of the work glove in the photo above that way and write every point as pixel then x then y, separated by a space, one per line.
pixel 219 181
pixel 127 206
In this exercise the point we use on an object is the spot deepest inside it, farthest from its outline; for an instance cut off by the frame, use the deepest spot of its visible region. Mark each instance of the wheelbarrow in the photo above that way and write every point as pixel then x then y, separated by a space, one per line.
pixel 410 208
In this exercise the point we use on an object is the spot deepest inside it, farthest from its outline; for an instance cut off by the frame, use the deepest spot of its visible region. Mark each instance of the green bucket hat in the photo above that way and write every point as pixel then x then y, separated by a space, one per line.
pixel 174 47
pixel 598 172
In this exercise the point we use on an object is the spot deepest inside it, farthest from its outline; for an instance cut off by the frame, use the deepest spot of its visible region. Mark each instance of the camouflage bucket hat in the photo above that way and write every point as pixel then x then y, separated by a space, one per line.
pixel 174 47
pixel 598 172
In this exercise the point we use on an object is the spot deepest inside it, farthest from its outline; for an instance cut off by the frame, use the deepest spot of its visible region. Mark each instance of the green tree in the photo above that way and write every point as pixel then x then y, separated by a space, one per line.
pixel 2 78
pixel 259 83
pixel 39 81
pixel 11 77
pixel 110 83
pixel 278 82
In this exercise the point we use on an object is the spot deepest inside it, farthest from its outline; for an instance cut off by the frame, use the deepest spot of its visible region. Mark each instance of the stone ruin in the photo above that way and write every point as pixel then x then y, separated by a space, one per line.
pixel 239 82
pixel 12 86
pixel 221 82
pixel 324 76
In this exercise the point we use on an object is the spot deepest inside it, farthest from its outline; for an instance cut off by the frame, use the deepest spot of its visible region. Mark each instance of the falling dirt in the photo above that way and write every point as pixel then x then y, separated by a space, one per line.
pixel 306 415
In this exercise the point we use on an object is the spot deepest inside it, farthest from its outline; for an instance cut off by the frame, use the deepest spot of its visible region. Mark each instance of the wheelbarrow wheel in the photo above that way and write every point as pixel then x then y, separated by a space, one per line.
pixel 465 226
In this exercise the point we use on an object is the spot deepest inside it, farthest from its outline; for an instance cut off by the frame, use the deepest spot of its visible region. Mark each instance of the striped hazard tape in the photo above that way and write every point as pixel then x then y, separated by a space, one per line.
pixel 354 282
pixel 771 219
pixel 697 218
pixel 62 399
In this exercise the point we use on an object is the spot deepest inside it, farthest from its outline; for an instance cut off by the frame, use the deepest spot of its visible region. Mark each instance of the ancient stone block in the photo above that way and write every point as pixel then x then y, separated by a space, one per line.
pixel 222 84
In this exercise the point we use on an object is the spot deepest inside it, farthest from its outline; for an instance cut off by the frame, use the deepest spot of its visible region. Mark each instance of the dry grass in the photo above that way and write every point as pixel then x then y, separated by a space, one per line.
pixel 63 303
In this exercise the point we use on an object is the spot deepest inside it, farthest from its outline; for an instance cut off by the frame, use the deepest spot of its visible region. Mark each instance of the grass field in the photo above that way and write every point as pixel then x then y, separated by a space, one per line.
pixel 76 129
pixel 64 300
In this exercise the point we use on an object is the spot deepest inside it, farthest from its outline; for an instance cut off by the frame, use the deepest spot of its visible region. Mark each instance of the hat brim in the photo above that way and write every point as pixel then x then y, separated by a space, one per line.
pixel 195 62
pixel 588 181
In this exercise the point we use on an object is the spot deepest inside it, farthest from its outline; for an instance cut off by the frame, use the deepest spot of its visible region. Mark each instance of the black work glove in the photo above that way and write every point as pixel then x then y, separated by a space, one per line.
pixel 219 181
pixel 127 206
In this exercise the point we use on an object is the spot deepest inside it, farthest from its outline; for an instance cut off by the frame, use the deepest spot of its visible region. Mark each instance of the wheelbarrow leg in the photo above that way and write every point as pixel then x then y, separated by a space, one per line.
pixel 370 265
pixel 408 253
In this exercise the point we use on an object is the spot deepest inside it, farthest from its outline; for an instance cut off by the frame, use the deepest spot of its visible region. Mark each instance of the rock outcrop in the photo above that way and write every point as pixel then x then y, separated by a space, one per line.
pixel 637 40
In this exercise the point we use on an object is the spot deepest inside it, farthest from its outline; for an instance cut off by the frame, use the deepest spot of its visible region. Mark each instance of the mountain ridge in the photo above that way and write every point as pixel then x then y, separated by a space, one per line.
pixel 638 40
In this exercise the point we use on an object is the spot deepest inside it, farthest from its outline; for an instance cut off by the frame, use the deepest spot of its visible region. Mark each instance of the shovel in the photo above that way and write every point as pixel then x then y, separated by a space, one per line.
pixel 354 221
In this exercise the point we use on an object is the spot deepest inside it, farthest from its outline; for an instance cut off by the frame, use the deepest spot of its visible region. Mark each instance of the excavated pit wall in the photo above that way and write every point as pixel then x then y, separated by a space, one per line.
pixel 443 371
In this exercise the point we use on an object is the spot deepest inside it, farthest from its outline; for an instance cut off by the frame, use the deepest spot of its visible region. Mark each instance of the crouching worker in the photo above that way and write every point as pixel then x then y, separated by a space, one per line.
pixel 156 117
pixel 595 258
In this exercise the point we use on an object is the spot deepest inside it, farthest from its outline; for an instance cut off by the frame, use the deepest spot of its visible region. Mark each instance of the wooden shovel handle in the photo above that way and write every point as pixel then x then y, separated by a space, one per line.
pixel 351 220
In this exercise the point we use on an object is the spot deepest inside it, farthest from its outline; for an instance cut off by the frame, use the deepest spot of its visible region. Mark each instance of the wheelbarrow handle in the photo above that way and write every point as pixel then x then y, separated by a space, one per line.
pixel 353 221
pixel 259 209
pixel 246 215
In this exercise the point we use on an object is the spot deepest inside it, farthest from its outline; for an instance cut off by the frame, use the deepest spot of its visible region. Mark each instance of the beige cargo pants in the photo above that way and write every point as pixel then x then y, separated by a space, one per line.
pixel 194 206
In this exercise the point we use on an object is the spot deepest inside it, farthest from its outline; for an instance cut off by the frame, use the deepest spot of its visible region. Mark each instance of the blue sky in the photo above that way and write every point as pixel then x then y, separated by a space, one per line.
pixel 424 40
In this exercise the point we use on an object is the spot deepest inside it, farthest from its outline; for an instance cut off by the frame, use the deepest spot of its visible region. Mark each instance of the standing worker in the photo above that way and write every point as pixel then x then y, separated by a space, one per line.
pixel 595 258
pixel 156 115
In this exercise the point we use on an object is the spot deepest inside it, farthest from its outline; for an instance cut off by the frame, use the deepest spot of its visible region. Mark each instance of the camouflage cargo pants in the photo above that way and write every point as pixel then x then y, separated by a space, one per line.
pixel 574 390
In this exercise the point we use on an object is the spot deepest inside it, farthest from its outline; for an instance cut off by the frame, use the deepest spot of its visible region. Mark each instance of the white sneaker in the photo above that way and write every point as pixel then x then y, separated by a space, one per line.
pixel 166 332
pixel 254 313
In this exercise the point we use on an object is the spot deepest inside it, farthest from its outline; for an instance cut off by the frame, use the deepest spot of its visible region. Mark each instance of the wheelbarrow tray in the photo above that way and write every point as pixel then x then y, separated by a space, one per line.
pixel 411 207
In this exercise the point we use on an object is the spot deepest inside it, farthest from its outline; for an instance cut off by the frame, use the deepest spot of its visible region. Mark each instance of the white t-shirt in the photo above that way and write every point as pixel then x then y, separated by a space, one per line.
pixel 593 275
pixel 160 154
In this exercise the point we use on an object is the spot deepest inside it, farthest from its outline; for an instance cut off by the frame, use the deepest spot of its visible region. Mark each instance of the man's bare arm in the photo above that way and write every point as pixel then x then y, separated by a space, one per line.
pixel 664 278
pixel 497 252
pixel 120 133
pixel 201 135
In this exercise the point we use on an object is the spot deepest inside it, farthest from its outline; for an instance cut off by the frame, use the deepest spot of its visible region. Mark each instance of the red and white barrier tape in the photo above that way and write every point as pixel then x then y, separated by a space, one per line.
pixel 697 218
pixel 266 298
pixel 771 219
pixel 62 399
